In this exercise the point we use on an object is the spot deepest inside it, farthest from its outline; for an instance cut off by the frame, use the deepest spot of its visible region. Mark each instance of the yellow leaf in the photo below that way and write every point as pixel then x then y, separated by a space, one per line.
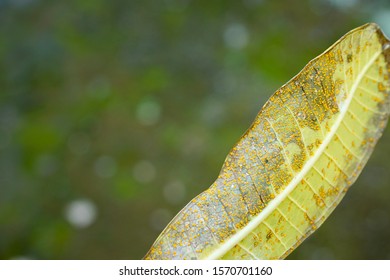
pixel 292 167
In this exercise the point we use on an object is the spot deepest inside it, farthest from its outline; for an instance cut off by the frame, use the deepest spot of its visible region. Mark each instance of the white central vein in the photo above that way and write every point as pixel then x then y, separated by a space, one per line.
pixel 272 205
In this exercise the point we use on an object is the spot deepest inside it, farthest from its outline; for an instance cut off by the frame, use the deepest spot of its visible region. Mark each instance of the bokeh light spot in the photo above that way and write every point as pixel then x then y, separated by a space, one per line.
pixel 81 213
pixel 343 4
pixel 105 167
pixel 174 192
pixel 46 165
pixel 79 143
pixel 144 171
pixel 159 219
pixel 236 36
pixel 148 112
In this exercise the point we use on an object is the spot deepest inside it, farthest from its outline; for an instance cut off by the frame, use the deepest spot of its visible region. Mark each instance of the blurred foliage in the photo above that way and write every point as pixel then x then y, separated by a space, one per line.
pixel 129 107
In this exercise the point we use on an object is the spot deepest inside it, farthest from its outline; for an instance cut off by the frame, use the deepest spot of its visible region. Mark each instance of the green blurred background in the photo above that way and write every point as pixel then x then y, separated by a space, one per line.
pixel 114 114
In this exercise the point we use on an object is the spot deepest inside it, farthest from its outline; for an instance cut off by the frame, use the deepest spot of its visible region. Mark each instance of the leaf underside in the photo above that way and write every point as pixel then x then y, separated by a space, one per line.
pixel 292 167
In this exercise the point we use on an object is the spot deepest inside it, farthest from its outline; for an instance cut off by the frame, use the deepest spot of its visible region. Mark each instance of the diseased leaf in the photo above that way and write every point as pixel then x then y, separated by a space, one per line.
pixel 292 167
